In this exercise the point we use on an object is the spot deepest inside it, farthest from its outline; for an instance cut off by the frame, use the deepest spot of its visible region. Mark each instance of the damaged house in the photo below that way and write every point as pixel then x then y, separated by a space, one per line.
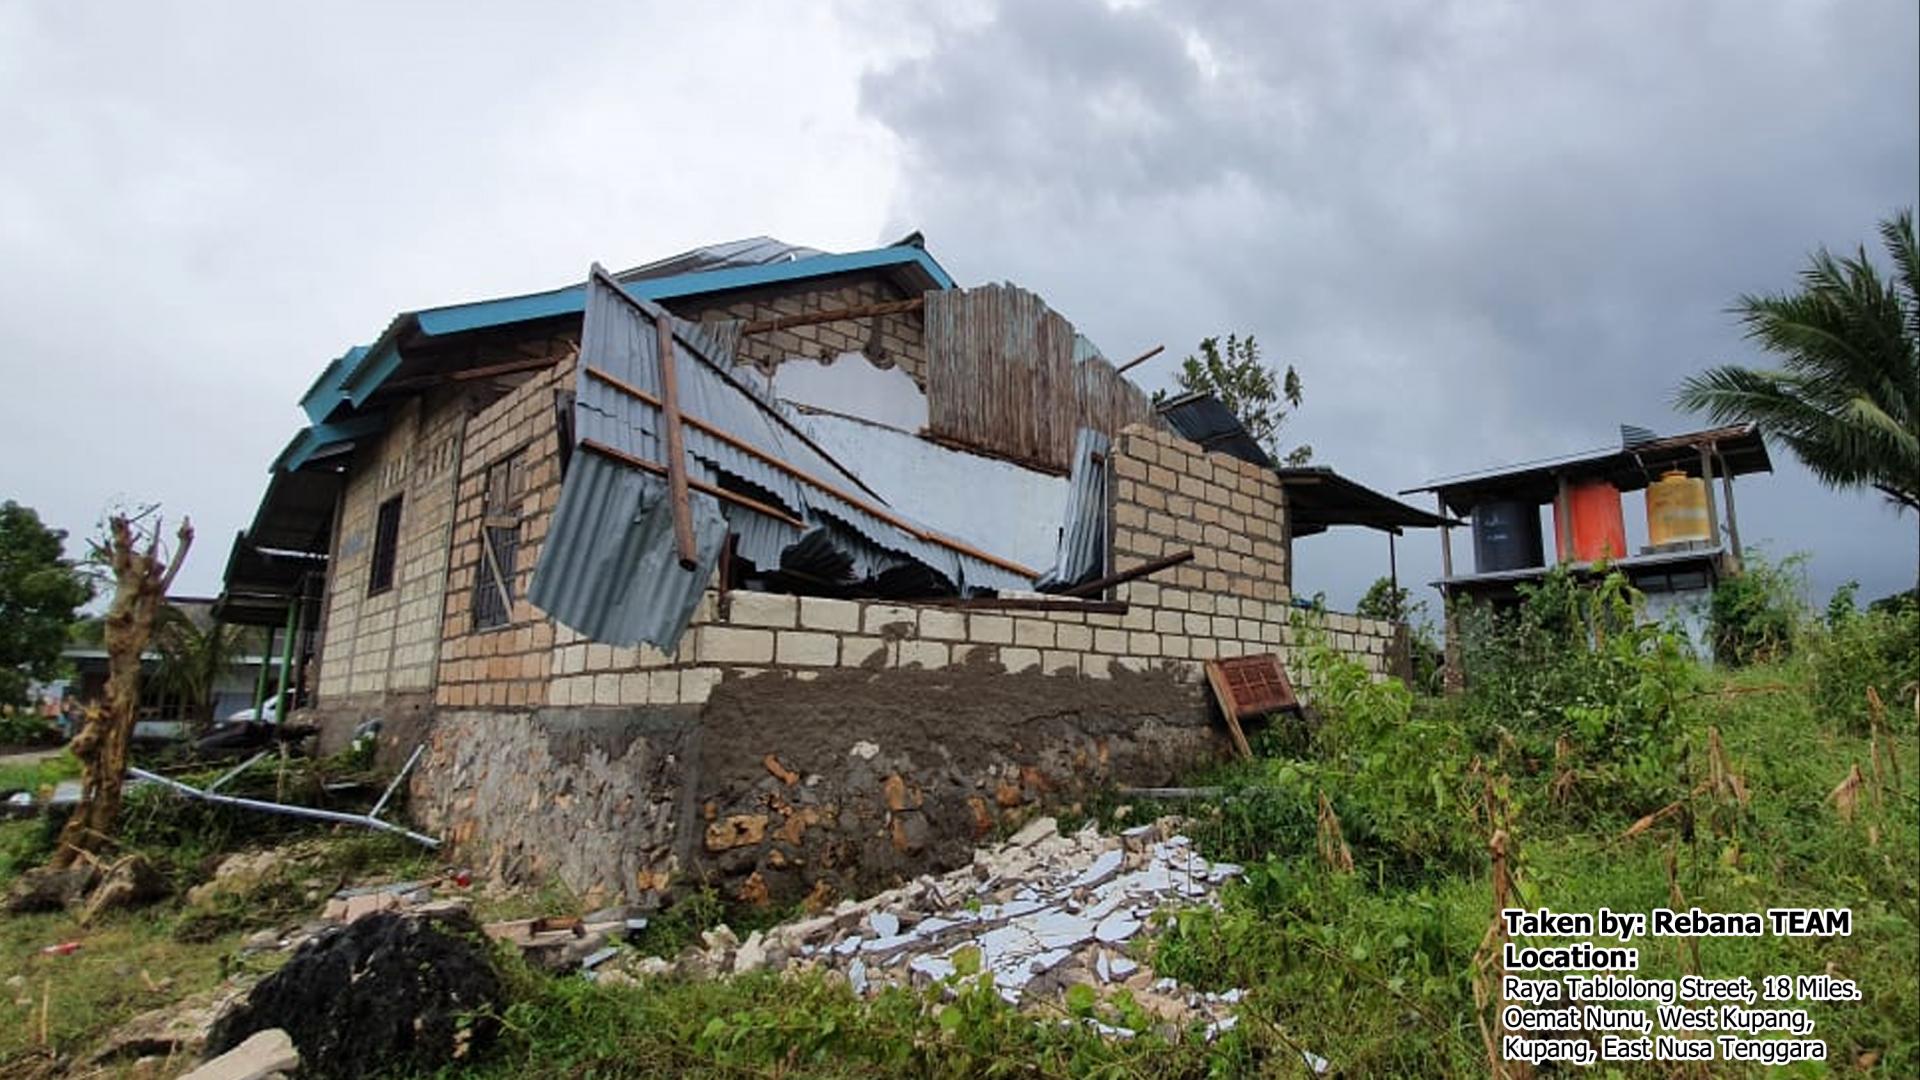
pixel 790 571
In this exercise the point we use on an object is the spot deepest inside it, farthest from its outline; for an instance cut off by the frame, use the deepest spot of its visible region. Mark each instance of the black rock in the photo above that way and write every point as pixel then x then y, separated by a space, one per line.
pixel 389 992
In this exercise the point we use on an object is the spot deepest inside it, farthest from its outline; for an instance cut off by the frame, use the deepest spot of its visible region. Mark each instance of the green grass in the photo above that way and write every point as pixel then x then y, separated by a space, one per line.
pixel 39 775
pixel 1372 968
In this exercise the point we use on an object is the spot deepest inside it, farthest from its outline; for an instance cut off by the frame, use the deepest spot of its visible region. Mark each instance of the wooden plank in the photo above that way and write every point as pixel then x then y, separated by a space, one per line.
pixel 812 318
pixel 1141 359
pixel 1029 603
pixel 676 444
pixel 808 478
pixel 658 469
pixel 1216 680
pixel 1124 576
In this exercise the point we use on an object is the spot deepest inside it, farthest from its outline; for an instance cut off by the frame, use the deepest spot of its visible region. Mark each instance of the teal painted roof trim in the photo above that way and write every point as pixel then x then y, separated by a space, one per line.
pixel 312 440
pixel 354 377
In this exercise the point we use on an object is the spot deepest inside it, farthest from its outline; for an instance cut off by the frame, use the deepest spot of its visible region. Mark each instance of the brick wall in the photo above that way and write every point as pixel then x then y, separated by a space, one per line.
pixel 388 642
pixel 504 665
pixel 1234 597
pixel 900 335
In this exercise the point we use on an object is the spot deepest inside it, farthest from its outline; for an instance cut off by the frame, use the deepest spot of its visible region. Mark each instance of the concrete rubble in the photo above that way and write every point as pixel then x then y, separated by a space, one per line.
pixel 1043 911
pixel 263 1055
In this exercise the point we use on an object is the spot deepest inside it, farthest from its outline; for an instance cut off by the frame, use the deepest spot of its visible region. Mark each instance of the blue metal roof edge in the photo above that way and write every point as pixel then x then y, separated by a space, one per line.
pixel 486 313
pixel 325 390
pixel 311 440
pixel 354 377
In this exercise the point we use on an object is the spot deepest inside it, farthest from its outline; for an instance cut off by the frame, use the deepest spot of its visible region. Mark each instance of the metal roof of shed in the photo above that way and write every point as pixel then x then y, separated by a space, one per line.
pixel 1739 449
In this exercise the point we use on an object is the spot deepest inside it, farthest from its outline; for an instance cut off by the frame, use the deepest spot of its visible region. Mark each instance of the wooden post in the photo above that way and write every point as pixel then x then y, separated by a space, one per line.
pixel 1454 677
pixel 1706 479
pixel 1393 568
pixel 1562 522
pixel 676 446
pixel 1733 518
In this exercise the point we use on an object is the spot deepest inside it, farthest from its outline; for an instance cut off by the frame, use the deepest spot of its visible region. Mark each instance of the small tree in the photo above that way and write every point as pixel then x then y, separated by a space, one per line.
pixel 39 593
pixel 1385 602
pixel 1248 388
pixel 142 573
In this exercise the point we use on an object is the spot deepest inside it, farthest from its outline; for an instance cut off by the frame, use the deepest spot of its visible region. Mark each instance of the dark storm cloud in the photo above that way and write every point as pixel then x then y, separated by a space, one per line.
pixel 1484 232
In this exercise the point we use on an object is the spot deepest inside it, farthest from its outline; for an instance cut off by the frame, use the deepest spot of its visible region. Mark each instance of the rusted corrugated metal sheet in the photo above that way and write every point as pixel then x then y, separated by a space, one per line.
pixel 1006 374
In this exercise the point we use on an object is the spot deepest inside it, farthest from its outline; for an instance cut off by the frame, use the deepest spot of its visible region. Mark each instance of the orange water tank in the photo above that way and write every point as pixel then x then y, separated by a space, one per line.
pixel 1598 529
pixel 1677 510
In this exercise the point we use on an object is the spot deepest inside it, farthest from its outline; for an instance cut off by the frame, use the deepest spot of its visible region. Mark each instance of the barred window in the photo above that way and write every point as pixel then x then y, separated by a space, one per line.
pixel 386 544
pixel 493 592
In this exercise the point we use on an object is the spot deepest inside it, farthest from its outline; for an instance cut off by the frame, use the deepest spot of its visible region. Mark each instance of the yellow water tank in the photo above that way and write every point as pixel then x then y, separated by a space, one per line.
pixel 1677 509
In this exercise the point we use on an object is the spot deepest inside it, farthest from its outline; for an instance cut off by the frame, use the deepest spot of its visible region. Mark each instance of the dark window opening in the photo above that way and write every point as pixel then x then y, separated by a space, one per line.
pixel 493 582
pixel 386 543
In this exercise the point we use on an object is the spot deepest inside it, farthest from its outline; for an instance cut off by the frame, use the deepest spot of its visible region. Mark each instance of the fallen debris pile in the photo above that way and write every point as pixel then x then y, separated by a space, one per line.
pixel 1041 913
pixel 385 991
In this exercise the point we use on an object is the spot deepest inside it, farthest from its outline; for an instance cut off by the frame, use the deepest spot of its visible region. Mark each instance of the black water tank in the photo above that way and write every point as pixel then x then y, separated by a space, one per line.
pixel 1506 536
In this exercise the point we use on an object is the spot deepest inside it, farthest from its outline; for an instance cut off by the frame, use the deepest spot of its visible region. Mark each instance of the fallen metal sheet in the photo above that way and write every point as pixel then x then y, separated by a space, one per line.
pixel 608 568
pixel 1082 551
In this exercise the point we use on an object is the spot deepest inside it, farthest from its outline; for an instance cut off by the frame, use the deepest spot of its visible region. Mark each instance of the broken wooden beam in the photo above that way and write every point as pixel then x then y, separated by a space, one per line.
pixel 1122 577
pixel 1141 359
pixel 847 314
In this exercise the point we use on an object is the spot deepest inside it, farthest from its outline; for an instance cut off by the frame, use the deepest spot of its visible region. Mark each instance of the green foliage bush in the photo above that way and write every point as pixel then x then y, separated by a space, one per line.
pixel 1856 650
pixel 1755 615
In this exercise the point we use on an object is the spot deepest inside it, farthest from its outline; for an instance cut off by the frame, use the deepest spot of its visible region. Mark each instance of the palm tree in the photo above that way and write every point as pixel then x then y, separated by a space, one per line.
pixel 193 660
pixel 1846 396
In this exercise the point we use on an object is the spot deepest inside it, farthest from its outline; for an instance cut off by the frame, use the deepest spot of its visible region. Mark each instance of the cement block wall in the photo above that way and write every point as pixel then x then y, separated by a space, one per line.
pixel 389 642
pixel 899 336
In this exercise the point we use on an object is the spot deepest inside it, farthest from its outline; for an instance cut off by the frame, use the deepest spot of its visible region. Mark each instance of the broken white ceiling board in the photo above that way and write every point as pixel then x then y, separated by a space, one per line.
pixel 997 506
pixel 851 386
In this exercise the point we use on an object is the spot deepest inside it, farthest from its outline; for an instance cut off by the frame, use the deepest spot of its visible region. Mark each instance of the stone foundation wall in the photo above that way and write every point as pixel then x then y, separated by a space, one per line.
pixel 781 788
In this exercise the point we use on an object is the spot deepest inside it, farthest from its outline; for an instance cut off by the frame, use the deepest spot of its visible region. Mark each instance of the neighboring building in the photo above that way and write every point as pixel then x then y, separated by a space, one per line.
pixel 847 654
pixel 1687 541
pixel 162 714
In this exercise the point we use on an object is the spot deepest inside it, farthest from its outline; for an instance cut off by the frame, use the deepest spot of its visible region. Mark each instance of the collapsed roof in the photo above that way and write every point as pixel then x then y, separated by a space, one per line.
pixel 610 568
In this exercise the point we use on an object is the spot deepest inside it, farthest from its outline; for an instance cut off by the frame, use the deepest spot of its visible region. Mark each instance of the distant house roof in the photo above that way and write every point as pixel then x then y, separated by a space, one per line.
pixel 1317 497
pixel 1738 449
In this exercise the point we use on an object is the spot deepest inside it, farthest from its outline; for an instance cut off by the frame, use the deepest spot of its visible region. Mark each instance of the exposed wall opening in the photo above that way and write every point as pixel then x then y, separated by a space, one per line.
pixel 493 594
pixel 386 542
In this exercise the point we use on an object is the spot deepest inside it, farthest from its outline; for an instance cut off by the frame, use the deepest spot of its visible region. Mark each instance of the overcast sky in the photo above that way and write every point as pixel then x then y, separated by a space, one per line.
pixel 1482 232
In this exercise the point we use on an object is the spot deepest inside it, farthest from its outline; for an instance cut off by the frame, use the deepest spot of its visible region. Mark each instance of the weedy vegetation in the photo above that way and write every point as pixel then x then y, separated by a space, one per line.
pixel 1592 760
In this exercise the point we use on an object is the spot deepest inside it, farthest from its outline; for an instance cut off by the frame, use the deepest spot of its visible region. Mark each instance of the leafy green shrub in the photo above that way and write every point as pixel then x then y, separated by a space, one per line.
pixel 1856 650
pixel 1578 697
pixel 24 727
pixel 1754 615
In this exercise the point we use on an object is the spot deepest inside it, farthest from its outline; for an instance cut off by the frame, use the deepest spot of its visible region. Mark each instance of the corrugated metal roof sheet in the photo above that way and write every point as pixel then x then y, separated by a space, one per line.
pixel 593 552
pixel 609 569
pixel 995 505
pixel 1202 419
pixel 753 251
pixel 1083 537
